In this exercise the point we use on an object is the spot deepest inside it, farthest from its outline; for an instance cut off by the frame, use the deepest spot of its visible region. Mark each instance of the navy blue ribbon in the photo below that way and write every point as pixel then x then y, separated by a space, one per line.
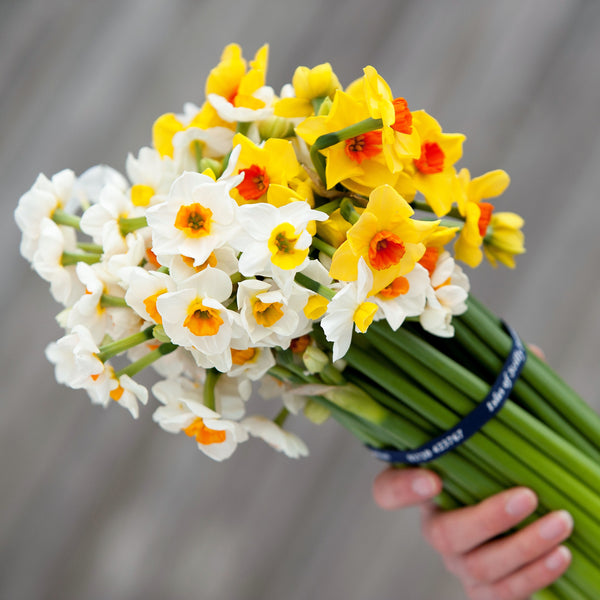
pixel 474 421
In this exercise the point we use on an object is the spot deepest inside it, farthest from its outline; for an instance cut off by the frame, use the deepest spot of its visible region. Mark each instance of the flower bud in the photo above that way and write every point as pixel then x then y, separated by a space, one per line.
pixel 275 127
pixel 315 360
pixel 315 412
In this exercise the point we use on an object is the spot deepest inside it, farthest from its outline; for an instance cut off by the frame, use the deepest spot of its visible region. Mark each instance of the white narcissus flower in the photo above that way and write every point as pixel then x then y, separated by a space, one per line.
pixel 91 182
pixel 194 316
pixel 40 202
pixel 214 142
pixel 75 359
pixel 445 297
pixel 123 390
pixel 144 288
pixel 404 297
pixel 102 220
pixel 271 317
pixel 348 310
pixel 182 267
pixel 89 311
pixel 251 362
pixel 198 217
pixel 275 241
pixel 47 262
pixel 183 411
pixel 277 437
pixel 151 175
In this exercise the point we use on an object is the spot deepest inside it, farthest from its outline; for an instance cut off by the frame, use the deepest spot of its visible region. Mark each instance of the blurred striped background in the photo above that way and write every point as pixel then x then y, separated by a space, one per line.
pixel 94 505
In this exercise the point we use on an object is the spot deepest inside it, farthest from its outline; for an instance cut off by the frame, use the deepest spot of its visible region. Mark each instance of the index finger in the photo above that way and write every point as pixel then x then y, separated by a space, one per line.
pixel 399 488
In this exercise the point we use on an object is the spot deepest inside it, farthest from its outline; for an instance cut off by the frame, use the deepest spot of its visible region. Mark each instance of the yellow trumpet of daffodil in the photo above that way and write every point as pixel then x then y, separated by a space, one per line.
pixel 233 81
pixel 386 237
pixel 317 83
pixel 477 214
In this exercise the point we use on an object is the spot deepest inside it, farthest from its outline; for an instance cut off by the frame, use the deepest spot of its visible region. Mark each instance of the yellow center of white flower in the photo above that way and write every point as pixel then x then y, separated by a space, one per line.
pixel 364 314
pixel 282 245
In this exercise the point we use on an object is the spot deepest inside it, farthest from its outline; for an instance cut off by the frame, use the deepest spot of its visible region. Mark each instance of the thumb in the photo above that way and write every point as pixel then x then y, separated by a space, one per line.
pixel 398 488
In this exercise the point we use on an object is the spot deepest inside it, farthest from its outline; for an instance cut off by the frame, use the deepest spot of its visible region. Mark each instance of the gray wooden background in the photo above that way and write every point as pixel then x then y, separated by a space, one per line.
pixel 95 505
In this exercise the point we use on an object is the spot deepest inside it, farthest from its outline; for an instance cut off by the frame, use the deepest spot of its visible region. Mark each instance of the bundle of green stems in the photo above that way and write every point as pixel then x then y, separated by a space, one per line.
pixel 402 388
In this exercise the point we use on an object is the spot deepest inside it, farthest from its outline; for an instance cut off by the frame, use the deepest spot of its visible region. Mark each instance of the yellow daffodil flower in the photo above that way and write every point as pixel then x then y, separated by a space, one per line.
pixel 309 84
pixel 267 170
pixel 433 173
pixel 477 214
pixel 386 237
pixel 400 139
pixel 358 163
pixel 230 79
pixel 504 239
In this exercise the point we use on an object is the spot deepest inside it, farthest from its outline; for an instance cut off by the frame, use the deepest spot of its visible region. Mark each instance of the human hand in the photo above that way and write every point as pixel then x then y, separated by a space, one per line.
pixel 489 568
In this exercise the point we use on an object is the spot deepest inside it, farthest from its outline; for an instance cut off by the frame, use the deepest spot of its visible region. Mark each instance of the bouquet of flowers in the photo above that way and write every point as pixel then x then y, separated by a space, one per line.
pixel 309 240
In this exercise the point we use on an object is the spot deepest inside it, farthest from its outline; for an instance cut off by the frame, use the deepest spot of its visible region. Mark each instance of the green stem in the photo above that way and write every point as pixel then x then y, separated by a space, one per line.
pixel 94 248
pixel 108 300
pixel 523 392
pixel 313 285
pixel 486 449
pixel 549 451
pixel 113 348
pixel 323 246
pixel 72 258
pixel 334 137
pixel 537 373
pixel 281 417
pixel 316 103
pixel 243 127
pixel 329 207
pixel 135 367
pixel 423 206
pixel 198 155
pixel 130 224
pixel 348 211
pixel 61 217
pixel 212 376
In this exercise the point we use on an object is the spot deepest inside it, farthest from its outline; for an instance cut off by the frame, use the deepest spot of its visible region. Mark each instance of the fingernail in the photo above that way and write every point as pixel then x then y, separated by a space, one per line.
pixel 558 559
pixel 521 503
pixel 424 485
pixel 556 525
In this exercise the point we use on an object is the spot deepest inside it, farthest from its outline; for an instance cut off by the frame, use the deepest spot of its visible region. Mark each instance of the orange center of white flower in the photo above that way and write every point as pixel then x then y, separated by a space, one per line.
pixel 254 184
pixel 431 160
pixel 241 357
pixel 267 313
pixel 202 320
pixel 194 220
pixel 150 306
pixel 197 429
pixel 385 250
pixel 116 393
pixel 403 122
pixel 364 146
pixel 485 217
pixel 211 261
pixel 398 287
